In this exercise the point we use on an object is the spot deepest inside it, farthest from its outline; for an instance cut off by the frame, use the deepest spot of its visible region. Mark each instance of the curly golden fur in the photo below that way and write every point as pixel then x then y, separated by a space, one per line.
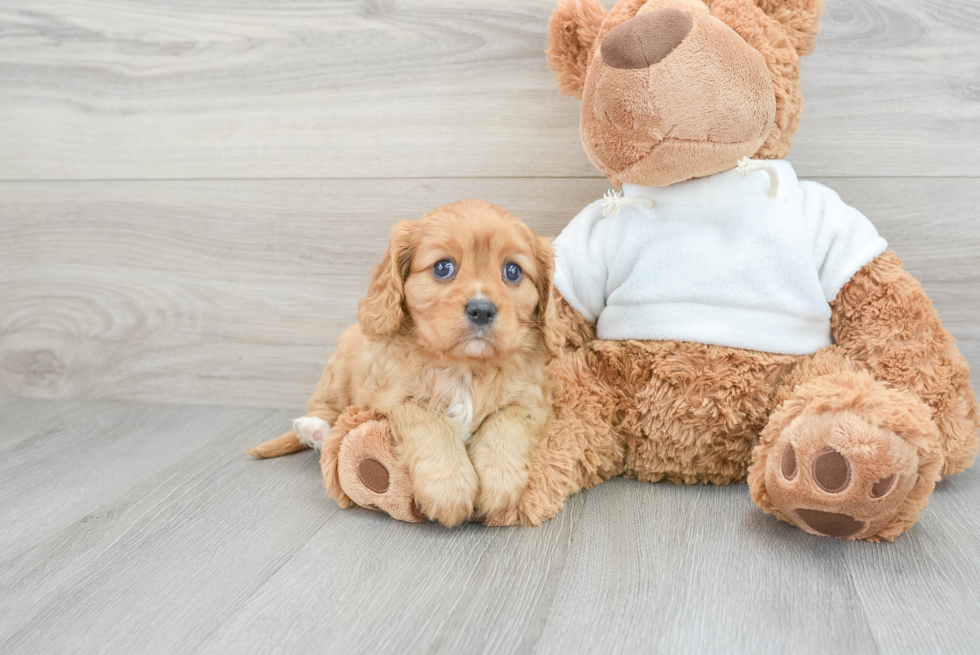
pixel 467 401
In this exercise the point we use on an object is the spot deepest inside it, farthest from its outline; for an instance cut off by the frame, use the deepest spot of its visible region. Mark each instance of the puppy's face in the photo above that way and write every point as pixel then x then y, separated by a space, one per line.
pixel 474 279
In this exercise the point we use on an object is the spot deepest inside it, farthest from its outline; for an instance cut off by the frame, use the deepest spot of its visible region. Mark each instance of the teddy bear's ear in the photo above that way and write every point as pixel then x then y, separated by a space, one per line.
pixel 571 36
pixel 798 19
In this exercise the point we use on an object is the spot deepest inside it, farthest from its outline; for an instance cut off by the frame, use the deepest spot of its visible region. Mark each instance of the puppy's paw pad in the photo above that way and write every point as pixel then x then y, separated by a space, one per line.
pixel 311 431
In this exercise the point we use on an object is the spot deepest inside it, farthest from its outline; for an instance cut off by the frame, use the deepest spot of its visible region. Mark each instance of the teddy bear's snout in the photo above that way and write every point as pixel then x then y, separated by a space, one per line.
pixel 646 39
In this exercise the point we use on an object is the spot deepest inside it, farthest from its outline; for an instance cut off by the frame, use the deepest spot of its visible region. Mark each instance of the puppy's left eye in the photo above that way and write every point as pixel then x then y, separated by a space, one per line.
pixel 444 269
pixel 513 272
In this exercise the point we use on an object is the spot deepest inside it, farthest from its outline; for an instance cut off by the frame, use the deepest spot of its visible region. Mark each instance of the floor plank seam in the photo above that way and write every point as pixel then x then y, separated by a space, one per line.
pixel 842 552
pixel 582 499
pixel 242 601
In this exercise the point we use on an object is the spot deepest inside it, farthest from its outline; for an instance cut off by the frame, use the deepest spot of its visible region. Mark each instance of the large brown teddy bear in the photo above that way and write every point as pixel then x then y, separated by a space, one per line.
pixel 754 327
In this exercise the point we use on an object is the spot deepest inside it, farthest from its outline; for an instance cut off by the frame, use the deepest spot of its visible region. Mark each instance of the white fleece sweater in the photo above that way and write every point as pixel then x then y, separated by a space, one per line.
pixel 716 260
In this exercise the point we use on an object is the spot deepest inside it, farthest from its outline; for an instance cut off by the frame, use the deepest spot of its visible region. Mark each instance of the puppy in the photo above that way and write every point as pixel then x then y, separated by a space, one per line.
pixel 450 344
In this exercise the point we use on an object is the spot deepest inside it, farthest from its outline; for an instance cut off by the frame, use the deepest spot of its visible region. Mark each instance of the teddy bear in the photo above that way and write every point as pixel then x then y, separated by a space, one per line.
pixel 723 321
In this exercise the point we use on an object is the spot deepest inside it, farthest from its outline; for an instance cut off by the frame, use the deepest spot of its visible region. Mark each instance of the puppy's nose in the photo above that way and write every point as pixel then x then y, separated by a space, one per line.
pixel 643 40
pixel 480 312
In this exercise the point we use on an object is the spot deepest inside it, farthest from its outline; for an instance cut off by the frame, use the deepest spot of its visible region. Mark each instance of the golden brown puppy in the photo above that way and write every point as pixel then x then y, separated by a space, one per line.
pixel 450 343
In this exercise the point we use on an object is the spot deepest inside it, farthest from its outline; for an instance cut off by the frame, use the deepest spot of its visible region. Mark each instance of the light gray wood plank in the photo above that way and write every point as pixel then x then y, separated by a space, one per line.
pixel 26 420
pixel 700 570
pixel 383 587
pixel 79 454
pixel 305 88
pixel 233 292
pixel 219 553
pixel 930 584
pixel 884 96
pixel 155 566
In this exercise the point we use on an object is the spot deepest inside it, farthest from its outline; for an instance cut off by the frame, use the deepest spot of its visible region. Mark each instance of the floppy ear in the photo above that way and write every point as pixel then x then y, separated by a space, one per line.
pixel 572 34
pixel 380 312
pixel 797 19
pixel 554 337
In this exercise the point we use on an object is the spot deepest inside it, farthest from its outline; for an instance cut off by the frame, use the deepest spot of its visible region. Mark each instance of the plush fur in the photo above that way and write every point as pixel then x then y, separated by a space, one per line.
pixel 656 126
pixel 847 442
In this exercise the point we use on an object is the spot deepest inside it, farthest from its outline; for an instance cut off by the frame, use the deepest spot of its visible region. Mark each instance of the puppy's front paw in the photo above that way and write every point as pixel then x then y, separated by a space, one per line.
pixel 311 431
pixel 501 486
pixel 447 496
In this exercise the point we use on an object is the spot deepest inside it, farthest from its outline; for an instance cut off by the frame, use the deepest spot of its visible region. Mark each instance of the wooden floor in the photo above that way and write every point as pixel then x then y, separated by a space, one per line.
pixel 192 194
pixel 145 529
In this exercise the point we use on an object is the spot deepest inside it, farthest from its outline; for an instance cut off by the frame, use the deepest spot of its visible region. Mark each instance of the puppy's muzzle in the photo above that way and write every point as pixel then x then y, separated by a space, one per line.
pixel 480 312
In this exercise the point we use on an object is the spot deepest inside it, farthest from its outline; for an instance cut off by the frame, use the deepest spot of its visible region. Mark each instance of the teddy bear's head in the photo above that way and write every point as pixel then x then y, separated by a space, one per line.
pixel 677 89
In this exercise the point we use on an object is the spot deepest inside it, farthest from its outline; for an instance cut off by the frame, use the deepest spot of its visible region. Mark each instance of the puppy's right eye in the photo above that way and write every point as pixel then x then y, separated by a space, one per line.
pixel 444 269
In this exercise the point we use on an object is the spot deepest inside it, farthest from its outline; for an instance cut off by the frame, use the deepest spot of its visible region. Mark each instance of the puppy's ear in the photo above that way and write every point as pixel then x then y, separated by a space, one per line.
pixel 554 337
pixel 380 312
pixel 572 34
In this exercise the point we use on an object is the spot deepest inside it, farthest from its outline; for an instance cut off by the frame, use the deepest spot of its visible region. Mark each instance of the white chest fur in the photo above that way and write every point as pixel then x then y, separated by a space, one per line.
pixel 453 395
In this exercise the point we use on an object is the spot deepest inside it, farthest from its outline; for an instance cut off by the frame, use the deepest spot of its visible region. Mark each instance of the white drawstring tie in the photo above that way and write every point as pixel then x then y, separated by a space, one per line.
pixel 746 166
pixel 614 200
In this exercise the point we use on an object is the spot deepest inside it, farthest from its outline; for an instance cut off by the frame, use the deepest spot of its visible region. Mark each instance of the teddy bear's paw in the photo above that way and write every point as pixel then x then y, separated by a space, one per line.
pixel 370 473
pixel 836 474
pixel 311 431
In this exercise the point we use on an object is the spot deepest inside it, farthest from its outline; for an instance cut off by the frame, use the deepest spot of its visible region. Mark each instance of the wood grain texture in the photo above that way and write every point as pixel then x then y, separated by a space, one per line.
pixel 51 480
pixel 210 551
pixel 143 89
pixel 233 292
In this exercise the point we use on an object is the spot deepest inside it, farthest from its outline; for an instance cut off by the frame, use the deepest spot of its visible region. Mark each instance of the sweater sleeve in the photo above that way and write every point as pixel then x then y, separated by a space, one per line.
pixel 580 262
pixel 843 239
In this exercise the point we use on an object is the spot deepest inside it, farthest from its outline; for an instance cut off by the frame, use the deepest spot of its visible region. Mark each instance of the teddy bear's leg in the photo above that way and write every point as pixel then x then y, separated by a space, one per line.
pixel 883 317
pixel 580 448
pixel 359 466
pixel 844 454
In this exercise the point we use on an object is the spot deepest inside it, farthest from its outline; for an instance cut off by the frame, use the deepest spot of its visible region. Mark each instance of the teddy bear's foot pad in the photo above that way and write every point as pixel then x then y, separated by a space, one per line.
pixel 830 523
pixel 836 474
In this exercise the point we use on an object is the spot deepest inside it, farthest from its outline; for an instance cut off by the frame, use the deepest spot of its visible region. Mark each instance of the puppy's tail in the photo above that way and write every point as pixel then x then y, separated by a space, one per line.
pixel 286 444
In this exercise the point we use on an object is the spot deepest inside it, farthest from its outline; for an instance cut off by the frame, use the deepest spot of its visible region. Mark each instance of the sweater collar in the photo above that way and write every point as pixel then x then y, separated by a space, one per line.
pixel 720 189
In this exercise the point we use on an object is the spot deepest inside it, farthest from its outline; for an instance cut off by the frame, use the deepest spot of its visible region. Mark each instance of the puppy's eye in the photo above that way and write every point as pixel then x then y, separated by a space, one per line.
pixel 444 269
pixel 513 272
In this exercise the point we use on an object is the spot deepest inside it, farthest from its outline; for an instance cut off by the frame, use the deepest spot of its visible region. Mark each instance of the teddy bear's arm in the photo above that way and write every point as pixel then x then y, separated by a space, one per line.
pixel 883 317
pixel 572 324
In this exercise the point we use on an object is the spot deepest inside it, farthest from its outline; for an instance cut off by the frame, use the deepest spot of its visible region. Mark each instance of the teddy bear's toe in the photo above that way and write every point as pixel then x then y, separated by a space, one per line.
pixel 836 474
pixel 374 475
